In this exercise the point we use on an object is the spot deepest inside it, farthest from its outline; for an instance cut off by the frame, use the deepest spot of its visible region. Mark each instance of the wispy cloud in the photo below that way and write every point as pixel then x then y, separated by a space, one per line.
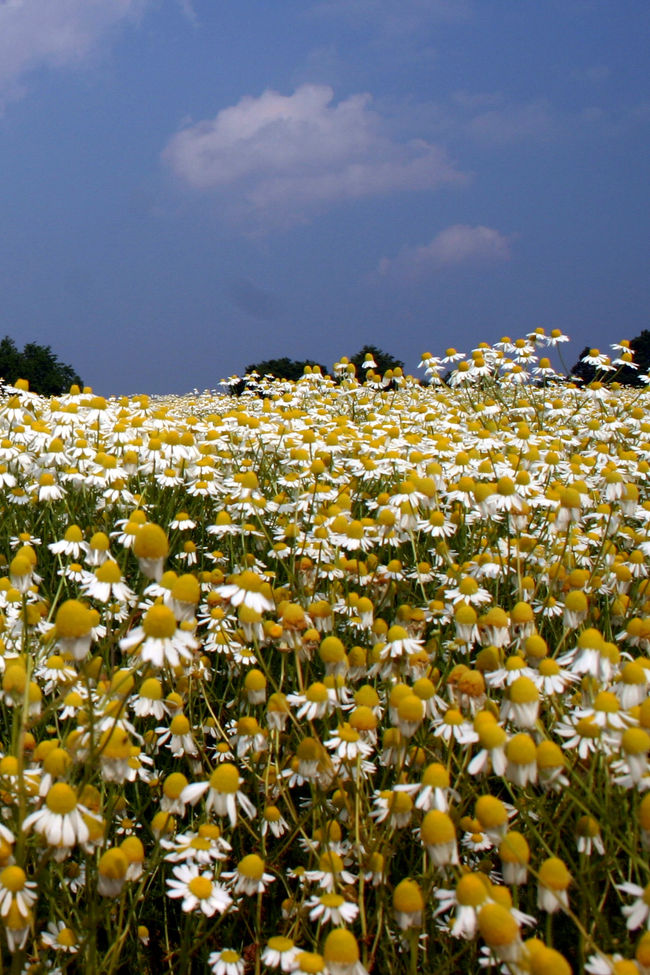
pixel 53 33
pixel 454 246
pixel 280 158
pixel 530 121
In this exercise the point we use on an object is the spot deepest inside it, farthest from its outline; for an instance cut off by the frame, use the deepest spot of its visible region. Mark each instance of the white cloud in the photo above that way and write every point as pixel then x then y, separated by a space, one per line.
pixel 454 246
pixel 535 120
pixel 281 157
pixel 53 33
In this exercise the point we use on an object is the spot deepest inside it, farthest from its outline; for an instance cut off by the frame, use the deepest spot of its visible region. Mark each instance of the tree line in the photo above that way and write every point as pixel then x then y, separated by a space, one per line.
pixel 39 365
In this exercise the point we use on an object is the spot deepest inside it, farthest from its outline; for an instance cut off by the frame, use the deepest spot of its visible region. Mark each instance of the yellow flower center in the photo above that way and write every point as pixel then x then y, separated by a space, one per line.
pixel 225 778
pixel 491 812
pixel 523 691
pixel 179 725
pixel 514 848
pixel 497 925
pixel 151 689
pixel 471 890
pixel 410 708
pixel 159 622
pixel 174 785
pixel 554 875
pixel 67 938
pixel 437 827
pixel 341 948
pixel 113 864
pixel 150 542
pixel 61 799
pixel 109 572
pixel 251 867
pixel 201 887
pixel 407 897
pixel 521 750
pixel 186 589
pixel 13 878
pixel 280 944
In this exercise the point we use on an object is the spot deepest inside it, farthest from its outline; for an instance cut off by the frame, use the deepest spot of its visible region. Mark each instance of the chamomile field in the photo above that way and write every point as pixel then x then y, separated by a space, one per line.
pixel 337 676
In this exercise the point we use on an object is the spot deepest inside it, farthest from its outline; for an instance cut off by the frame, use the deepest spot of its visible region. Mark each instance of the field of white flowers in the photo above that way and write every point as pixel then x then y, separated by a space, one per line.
pixel 332 677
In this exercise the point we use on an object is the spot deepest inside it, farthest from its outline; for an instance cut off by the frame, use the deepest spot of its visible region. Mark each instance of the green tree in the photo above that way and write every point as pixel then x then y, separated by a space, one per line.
pixel 283 368
pixel 625 375
pixel 39 365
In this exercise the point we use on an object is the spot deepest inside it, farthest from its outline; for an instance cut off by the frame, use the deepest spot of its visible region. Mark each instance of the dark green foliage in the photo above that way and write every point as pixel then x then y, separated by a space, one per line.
pixel 383 359
pixel 37 364
pixel 283 368
pixel 624 375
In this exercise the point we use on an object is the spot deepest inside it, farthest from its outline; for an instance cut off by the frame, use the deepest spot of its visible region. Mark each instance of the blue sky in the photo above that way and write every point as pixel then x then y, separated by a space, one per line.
pixel 187 186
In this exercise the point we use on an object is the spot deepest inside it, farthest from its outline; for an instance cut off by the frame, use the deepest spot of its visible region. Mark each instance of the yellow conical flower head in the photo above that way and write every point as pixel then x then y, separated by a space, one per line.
pixel 522 613
pixel 57 762
pixel 61 799
pixel 521 749
pixel 549 755
pixel 310 962
pixel 363 718
pixel 408 898
pixel 330 862
pixel 255 680
pixel 548 961
pixel 174 785
pixel 114 744
pixel 180 725
pixel 186 589
pixel 514 848
pixel 251 866
pixel 225 778
pixel 536 647
pixel 497 925
pixel 331 650
pixel 642 953
pixel 554 874
pixel 73 619
pixel 523 691
pixel 491 735
pixel 100 541
pixel 341 948
pixel 159 622
pixel 490 812
pixel 635 741
pixel 410 709
pixel 151 688
pixel 132 849
pixel 437 827
pixel 113 864
pixel 14 679
pixel 150 542
pixel 108 571
pixel 472 889
pixel 436 776
pixel 13 878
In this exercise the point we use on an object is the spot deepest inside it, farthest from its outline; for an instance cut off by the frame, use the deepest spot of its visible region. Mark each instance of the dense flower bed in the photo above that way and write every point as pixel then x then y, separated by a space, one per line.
pixel 331 677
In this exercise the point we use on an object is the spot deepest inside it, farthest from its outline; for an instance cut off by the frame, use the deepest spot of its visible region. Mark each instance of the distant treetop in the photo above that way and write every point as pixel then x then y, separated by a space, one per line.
pixel 283 368
pixel 624 374
pixel 43 370
pixel 383 361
